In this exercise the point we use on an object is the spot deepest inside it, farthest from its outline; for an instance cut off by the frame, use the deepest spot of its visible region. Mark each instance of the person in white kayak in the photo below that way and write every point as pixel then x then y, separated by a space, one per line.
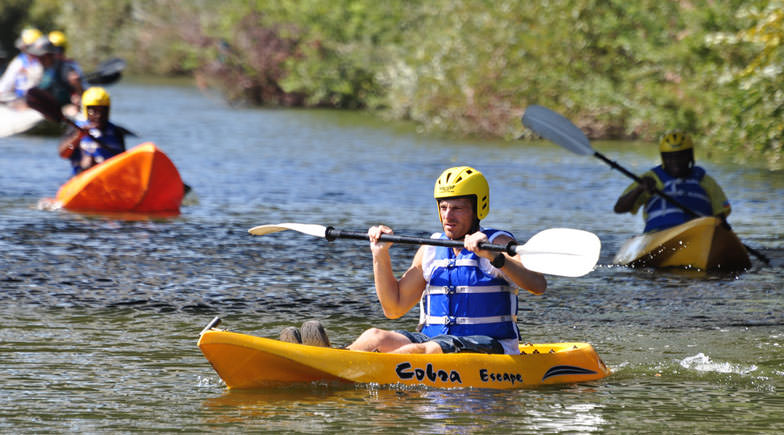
pixel 74 76
pixel 467 296
pixel 60 79
pixel 23 72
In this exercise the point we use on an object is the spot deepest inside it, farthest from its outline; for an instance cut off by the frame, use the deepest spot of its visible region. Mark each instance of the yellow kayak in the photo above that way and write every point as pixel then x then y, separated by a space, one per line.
pixel 245 361
pixel 701 243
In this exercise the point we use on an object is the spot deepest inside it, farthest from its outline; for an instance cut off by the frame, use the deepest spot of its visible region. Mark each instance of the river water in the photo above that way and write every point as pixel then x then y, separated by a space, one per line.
pixel 101 316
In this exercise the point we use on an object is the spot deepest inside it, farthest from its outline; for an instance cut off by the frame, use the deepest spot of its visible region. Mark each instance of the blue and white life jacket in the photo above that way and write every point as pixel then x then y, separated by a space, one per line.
pixel 663 214
pixel 113 143
pixel 466 295
pixel 22 81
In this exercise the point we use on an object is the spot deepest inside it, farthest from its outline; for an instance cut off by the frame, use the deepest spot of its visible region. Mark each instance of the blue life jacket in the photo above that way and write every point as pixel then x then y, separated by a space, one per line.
pixel 21 81
pixel 465 295
pixel 113 143
pixel 663 214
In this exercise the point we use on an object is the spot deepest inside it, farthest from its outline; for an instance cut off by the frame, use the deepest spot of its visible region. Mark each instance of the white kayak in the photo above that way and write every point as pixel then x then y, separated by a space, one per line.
pixel 14 121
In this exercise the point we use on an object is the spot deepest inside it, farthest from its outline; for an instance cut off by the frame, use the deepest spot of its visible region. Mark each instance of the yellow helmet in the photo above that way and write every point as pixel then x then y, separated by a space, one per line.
pixel 675 141
pixel 463 181
pixel 58 39
pixel 28 36
pixel 95 96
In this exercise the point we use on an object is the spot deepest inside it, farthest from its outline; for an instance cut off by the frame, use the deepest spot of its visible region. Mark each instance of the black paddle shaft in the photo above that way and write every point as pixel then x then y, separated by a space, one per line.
pixel 332 234
pixel 615 165
pixel 677 203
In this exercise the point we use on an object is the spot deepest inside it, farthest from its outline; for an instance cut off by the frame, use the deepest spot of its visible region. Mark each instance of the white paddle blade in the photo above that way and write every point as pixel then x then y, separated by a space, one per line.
pixel 557 129
pixel 310 229
pixel 561 251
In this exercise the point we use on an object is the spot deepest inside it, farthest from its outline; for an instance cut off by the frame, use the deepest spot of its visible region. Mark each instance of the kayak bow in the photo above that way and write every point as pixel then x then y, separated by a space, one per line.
pixel 702 243
pixel 140 180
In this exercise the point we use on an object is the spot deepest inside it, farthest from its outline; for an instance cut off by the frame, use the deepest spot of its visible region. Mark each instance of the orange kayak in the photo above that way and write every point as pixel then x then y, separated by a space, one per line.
pixel 140 180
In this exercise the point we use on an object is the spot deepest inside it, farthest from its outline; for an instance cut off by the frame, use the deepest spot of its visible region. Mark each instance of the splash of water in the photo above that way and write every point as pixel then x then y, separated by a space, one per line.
pixel 703 363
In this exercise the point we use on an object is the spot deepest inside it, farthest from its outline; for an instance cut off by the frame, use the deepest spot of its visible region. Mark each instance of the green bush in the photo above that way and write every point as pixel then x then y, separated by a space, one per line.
pixel 620 69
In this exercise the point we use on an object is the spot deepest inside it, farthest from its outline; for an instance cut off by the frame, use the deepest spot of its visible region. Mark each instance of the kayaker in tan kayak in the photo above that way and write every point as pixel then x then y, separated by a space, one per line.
pixel 468 296
pixel 679 178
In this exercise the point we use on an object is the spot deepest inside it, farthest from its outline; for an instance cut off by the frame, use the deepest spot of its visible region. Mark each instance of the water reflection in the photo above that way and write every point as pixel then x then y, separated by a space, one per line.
pixel 316 407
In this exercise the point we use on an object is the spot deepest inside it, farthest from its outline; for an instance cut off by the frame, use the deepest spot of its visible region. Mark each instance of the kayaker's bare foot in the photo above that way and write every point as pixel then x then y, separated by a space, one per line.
pixel 290 335
pixel 313 334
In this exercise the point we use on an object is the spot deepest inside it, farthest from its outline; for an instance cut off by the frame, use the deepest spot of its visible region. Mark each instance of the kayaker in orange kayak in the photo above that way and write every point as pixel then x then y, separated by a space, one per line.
pixel 468 296
pixel 679 178
pixel 97 139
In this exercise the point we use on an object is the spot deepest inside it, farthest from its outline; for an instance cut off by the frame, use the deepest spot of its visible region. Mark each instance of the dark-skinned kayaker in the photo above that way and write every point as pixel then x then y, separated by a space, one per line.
pixel 679 178
pixel 97 139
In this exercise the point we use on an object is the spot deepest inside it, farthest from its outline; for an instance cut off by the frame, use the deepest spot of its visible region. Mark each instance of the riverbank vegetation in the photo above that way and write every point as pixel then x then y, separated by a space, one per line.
pixel 619 69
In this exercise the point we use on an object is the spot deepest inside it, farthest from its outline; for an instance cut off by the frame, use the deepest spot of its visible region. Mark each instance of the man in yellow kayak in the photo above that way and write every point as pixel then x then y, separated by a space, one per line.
pixel 680 179
pixel 468 296
pixel 97 139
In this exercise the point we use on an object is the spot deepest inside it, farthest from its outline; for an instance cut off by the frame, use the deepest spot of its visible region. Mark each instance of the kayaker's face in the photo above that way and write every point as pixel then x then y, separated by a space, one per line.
pixel 46 60
pixel 457 216
pixel 98 115
pixel 678 164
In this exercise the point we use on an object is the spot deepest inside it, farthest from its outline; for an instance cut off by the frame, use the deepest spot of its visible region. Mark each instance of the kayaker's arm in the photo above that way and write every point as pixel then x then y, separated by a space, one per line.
pixel 719 202
pixel 626 202
pixel 512 267
pixel 69 144
pixel 397 297
pixel 75 81
pixel 7 80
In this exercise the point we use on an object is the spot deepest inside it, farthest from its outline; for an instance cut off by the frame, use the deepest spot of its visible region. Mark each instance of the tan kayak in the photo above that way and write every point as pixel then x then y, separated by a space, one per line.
pixel 701 243
pixel 245 361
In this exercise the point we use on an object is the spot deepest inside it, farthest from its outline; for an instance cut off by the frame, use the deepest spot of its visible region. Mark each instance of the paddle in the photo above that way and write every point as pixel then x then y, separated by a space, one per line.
pixel 107 72
pixel 559 130
pixel 556 251
pixel 45 103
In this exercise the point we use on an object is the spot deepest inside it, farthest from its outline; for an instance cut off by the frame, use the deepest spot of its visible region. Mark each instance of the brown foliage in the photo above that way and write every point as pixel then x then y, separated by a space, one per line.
pixel 251 67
